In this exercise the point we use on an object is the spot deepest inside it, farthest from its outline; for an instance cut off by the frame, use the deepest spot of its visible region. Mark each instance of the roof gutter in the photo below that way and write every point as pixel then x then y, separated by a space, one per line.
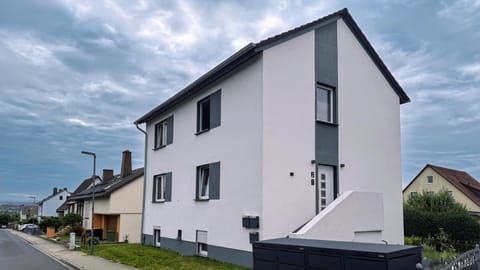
pixel 144 182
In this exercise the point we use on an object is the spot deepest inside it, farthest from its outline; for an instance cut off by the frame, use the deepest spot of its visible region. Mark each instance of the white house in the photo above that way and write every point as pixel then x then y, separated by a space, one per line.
pixel 297 135
pixel 48 206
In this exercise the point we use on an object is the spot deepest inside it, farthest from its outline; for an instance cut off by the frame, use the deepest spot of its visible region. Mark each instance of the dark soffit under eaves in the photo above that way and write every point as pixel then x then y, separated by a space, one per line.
pixel 253 49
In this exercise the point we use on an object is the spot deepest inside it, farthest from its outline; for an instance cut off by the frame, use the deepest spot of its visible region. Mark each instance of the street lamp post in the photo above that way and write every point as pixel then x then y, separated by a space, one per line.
pixel 93 197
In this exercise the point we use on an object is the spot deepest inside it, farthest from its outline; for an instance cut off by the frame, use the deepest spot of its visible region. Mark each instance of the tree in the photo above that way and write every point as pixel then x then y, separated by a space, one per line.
pixel 426 214
pixel 51 222
pixel 4 219
pixel 72 219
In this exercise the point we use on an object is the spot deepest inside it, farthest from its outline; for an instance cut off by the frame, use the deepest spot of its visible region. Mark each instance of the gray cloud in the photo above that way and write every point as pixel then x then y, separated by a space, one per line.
pixel 76 74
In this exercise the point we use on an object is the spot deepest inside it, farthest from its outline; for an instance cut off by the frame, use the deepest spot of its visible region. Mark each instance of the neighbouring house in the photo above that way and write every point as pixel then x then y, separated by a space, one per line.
pixel 297 135
pixel 49 205
pixel 28 212
pixel 459 184
pixel 75 206
pixel 118 203
pixel 62 209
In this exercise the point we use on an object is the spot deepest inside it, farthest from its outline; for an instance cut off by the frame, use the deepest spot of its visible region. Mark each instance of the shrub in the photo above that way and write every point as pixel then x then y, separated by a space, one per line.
pixel 428 214
pixel 95 241
pixel 51 222
pixel 72 219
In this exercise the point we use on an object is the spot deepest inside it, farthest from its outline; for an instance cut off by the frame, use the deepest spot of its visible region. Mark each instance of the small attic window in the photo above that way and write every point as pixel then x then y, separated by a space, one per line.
pixel 430 179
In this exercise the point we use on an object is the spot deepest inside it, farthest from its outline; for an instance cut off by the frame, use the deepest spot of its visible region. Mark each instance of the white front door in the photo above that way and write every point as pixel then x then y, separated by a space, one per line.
pixel 324 187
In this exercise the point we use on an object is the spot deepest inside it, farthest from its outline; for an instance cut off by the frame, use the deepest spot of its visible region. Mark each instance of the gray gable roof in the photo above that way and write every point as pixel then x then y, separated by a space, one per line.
pixel 253 49
pixel 106 188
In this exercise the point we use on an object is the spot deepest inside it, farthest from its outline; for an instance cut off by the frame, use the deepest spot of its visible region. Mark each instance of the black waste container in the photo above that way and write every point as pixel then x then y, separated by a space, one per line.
pixel 98 233
pixel 302 254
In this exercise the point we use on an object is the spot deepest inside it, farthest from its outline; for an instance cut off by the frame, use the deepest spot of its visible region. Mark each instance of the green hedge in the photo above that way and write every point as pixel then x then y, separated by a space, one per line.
pixel 427 213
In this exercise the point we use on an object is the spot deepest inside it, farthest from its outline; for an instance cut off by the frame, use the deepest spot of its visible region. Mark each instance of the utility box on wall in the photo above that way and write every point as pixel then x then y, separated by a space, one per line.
pixel 303 254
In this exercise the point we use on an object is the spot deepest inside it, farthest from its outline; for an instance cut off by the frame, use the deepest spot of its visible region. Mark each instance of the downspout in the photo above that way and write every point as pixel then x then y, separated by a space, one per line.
pixel 144 182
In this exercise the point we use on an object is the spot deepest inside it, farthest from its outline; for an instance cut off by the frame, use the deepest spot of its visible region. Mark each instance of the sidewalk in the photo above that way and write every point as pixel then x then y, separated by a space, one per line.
pixel 74 259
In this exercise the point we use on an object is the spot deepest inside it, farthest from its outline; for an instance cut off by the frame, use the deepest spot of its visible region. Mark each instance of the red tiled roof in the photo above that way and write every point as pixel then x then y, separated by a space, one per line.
pixel 461 180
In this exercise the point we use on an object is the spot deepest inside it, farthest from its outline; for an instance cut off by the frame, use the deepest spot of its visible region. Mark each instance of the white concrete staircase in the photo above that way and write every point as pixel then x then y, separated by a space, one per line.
pixel 353 216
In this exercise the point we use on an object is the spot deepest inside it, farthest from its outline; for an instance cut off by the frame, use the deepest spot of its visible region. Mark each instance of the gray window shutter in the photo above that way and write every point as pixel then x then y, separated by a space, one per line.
pixel 154 188
pixel 168 187
pixel 170 130
pixel 196 185
pixel 214 186
pixel 215 109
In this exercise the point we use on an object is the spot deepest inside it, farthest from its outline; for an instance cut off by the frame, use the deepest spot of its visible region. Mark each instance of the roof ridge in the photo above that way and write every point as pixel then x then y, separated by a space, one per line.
pixel 253 49
pixel 303 26
pixel 445 168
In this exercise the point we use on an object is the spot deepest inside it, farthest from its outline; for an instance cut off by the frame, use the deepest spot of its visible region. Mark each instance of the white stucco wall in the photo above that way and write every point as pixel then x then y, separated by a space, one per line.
pixel 369 131
pixel 130 225
pixel 49 207
pixel 102 205
pixel 128 199
pixel 288 136
pixel 236 143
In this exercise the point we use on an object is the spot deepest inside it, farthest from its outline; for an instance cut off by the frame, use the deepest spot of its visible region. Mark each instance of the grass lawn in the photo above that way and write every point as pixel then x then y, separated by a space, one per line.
pixel 151 258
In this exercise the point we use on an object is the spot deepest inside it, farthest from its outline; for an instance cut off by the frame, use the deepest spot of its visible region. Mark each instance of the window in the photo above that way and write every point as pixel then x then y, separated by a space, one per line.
pixel 202 244
pixel 203 181
pixel 204 114
pixel 61 198
pixel 156 237
pixel 161 138
pixel 324 104
pixel 162 188
pixel 430 179
pixel 160 184
pixel 80 210
pixel 208 112
pixel 208 182
pixel 413 194
pixel 450 193
pixel 164 133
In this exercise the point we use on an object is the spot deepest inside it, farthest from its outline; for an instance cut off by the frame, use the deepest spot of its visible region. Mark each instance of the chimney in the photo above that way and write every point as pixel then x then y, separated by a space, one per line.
pixel 126 163
pixel 107 175
pixel 55 190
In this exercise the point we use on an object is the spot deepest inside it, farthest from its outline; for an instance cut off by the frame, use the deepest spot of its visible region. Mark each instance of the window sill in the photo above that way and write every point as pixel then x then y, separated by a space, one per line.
pixel 202 131
pixel 159 201
pixel 202 200
pixel 160 147
pixel 327 123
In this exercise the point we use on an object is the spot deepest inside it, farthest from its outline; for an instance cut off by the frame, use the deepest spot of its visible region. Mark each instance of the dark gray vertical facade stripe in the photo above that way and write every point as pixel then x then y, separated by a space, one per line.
pixel 214 186
pixel 215 109
pixel 170 130
pixel 168 187
pixel 326 72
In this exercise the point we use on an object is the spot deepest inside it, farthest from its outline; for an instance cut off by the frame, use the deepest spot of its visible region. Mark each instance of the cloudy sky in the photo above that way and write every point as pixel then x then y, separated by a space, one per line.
pixel 74 75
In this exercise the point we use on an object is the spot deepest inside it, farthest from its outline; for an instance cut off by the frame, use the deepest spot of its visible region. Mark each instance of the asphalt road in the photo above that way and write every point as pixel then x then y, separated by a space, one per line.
pixel 15 254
